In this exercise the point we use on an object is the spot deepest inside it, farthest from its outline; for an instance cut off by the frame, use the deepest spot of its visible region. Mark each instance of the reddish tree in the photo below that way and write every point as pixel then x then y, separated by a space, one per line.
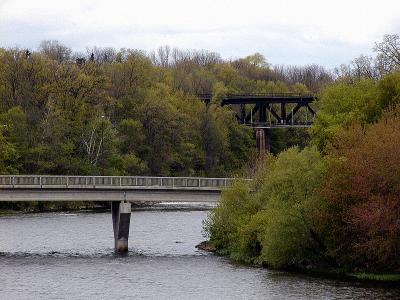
pixel 361 220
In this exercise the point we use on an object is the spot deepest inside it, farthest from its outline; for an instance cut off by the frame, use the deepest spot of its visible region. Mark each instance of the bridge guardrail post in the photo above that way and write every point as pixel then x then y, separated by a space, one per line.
pixel 66 181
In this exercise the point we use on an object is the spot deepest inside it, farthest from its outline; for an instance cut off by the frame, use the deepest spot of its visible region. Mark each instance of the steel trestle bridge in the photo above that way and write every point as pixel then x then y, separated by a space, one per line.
pixel 269 110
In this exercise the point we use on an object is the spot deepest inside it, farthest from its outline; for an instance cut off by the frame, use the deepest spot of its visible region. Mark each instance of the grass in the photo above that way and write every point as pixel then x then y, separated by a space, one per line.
pixel 4 212
pixel 393 277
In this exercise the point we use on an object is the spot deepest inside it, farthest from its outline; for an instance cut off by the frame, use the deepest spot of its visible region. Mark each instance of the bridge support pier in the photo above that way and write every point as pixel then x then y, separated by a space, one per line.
pixel 262 140
pixel 121 216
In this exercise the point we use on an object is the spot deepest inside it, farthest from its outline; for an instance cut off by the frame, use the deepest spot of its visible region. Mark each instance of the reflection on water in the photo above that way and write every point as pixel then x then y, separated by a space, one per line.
pixel 70 256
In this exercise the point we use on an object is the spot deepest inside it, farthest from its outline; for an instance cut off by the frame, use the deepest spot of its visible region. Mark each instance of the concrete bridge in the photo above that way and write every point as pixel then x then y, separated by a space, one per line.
pixel 120 190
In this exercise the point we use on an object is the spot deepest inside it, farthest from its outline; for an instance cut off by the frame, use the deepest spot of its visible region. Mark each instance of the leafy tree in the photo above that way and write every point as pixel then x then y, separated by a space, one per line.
pixel 8 155
pixel 389 90
pixel 340 105
pixel 233 211
pixel 131 139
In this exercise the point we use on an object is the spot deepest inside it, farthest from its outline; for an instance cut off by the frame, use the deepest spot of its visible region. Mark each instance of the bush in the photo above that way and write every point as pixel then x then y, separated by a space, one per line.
pixel 269 221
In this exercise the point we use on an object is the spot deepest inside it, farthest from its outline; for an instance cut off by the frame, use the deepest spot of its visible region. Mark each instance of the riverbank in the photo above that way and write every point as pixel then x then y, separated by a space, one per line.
pixel 52 207
pixel 386 278
pixel 395 278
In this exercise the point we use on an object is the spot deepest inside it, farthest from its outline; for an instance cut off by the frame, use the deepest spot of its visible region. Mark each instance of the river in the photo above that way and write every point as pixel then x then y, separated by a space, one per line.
pixel 70 256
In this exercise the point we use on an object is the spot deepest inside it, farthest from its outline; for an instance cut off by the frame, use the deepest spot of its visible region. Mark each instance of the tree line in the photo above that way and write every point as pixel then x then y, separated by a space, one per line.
pixel 128 112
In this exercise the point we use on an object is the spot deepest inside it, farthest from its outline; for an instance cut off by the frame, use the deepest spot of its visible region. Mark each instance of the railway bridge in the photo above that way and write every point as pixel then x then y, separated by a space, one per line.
pixel 266 111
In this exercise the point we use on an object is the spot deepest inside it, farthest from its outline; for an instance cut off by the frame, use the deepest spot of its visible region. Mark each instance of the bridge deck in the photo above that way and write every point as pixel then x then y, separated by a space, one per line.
pixel 264 98
pixel 110 188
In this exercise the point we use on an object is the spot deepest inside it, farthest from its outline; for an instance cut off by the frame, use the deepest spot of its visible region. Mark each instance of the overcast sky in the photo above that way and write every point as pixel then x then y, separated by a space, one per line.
pixel 285 31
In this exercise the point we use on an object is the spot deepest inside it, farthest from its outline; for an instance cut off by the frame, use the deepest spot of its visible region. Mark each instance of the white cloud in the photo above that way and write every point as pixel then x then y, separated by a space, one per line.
pixel 326 32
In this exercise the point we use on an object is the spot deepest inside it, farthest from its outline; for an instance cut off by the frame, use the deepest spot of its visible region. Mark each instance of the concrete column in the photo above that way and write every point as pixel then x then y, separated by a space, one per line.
pixel 262 140
pixel 121 216
pixel 267 140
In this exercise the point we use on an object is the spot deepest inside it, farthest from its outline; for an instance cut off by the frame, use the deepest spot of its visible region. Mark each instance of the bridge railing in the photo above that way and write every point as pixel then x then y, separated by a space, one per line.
pixel 49 181
pixel 268 95
pixel 272 95
pixel 276 124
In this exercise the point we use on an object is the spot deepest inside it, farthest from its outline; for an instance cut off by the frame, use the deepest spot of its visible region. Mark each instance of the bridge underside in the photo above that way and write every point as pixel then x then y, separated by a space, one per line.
pixel 131 195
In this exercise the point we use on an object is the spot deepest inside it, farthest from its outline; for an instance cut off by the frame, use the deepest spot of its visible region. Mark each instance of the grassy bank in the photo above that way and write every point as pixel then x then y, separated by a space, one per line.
pixel 389 277
pixel 8 208
pixel 334 273
pixel 386 278
pixel 4 212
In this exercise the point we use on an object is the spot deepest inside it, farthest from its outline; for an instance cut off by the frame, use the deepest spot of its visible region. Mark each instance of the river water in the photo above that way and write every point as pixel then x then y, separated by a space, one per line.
pixel 70 256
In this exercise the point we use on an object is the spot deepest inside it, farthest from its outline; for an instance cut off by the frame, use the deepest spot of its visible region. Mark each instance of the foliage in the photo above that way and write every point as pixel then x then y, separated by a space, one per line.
pixel 360 220
pixel 341 104
pixel 126 112
pixel 269 221
pixel 389 90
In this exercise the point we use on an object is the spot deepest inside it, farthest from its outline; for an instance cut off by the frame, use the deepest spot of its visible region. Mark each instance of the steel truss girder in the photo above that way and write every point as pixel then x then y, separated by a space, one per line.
pixel 261 109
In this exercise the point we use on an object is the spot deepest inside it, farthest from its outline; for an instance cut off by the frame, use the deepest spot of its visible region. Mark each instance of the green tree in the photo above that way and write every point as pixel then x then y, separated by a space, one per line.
pixel 131 137
pixel 340 105
pixel 270 220
pixel 8 156
pixel 288 231
pixel 389 90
